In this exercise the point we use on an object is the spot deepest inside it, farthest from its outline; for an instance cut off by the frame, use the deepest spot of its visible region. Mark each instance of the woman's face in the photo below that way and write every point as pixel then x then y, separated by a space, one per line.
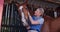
pixel 37 13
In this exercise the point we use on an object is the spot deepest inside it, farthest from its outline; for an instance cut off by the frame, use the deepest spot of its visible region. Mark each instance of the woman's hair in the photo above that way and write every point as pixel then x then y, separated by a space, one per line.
pixel 41 10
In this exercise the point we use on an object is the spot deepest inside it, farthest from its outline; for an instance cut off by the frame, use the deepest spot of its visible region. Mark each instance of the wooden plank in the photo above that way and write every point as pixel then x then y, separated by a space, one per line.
pixel 54 1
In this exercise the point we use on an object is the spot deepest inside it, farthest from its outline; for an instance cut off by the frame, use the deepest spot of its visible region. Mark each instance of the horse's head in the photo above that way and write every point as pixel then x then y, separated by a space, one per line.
pixel 25 10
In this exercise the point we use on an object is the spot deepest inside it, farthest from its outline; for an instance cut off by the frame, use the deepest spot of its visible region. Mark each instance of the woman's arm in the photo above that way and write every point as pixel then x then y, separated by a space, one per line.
pixel 40 21
pixel 32 21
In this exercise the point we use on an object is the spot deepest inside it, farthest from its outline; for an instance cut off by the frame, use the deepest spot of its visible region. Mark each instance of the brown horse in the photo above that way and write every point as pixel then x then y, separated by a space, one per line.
pixel 55 25
pixel 51 24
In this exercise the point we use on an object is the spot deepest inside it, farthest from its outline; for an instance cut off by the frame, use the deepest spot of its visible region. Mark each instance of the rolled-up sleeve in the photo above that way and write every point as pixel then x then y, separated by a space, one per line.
pixel 41 21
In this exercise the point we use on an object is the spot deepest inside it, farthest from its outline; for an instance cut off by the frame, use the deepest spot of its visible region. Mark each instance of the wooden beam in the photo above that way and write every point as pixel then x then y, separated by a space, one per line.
pixel 54 1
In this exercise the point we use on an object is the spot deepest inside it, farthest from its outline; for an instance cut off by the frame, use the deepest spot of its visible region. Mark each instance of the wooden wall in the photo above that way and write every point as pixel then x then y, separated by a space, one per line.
pixel 1 9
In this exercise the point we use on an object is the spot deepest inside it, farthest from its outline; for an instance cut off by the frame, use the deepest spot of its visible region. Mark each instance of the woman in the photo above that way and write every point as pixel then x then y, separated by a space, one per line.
pixel 36 21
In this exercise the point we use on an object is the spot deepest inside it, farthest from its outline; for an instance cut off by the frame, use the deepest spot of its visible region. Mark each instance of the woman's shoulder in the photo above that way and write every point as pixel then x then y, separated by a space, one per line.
pixel 41 19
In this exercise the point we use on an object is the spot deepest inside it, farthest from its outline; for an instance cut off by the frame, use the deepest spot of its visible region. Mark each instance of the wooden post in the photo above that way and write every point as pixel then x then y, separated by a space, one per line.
pixel 1 10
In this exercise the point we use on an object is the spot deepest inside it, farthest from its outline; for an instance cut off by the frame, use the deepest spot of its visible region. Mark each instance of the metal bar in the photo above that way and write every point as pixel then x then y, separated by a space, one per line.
pixel 11 15
pixel 8 18
pixel 6 14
